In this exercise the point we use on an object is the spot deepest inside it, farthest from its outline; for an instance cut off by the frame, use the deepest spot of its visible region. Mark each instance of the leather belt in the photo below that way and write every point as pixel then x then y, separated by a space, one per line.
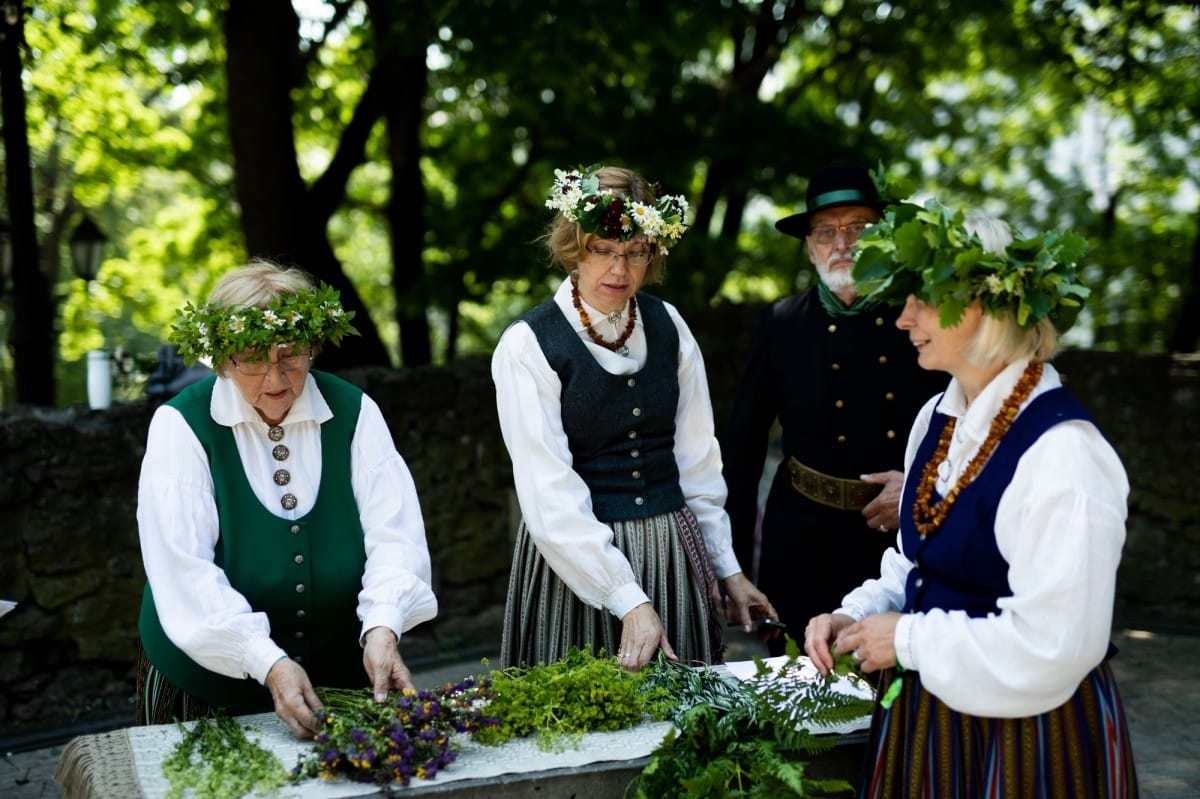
pixel 835 492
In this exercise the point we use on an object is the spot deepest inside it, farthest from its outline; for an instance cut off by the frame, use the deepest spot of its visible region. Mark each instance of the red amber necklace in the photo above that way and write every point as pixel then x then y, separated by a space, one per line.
pixel 617 346
pixel 928 517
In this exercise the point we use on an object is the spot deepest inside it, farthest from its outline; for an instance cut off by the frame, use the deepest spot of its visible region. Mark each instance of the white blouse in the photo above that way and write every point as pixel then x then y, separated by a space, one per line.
pixel 1060 525
pixel 178 526
pixel 555 501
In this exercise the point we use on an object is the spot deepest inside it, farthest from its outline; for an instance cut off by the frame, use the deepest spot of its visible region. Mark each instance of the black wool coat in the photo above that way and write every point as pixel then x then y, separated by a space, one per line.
pixel 845 390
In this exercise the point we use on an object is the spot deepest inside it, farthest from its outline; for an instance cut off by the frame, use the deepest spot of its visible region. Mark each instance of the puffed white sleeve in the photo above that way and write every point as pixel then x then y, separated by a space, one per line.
pixel 555 501
pixel 698 454
pixel 202 614
pixel 397 590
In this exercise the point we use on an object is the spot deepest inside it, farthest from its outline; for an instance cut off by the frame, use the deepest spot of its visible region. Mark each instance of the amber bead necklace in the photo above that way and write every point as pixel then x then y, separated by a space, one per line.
pixel 617 346
pixel 926 516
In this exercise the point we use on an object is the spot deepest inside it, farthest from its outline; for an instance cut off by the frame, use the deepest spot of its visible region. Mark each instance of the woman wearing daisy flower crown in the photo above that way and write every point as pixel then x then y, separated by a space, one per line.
pixel 604 407
pixel 280 529
pixel 991 618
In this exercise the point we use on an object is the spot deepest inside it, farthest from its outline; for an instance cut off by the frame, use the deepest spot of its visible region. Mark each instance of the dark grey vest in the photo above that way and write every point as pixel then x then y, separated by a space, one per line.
pixel 621 428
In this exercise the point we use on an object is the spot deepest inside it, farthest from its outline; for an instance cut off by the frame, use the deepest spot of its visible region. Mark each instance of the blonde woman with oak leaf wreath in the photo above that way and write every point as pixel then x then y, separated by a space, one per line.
pixel 603 402
pixel 990 620
pixel 280 529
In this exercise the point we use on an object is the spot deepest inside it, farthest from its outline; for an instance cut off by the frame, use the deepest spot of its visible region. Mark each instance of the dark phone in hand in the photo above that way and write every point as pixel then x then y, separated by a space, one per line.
pixel 764 624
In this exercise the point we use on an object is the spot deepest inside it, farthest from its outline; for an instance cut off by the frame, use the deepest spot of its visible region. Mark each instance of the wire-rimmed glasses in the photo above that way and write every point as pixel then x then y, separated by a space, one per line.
pixel 827 234
pixel 258 367
pixel 634 258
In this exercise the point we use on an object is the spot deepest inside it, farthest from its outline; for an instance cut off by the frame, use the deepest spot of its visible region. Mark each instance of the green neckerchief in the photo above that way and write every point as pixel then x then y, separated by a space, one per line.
pixel 835 307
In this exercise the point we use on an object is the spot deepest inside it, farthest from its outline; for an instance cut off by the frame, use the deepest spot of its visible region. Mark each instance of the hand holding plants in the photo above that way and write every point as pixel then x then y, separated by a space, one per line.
pixel 822 631
pixel 384 666
pixel 642 635
pixel 872 640
pixel 296 702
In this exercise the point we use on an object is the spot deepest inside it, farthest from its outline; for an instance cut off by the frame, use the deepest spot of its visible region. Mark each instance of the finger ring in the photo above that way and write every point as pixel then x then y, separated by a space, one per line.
pixel 883 528
pixel 856 657
pixel 624 655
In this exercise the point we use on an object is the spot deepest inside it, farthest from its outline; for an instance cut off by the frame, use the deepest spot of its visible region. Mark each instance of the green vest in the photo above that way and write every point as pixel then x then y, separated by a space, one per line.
pixel 304 574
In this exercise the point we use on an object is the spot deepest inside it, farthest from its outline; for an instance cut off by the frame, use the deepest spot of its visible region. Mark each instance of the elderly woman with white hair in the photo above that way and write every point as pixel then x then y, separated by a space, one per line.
pixel 280 529
pixel 991 618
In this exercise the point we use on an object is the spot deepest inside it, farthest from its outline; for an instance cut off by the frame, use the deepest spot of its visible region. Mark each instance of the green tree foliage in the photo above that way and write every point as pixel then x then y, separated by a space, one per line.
pixel 109 137
pixel 1131 72
pixel 401 149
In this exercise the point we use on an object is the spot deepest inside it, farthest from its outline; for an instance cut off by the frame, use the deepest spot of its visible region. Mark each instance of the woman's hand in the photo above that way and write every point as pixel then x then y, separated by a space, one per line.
pixel 642 635
pixel 745 603
pixel 296 703
pixel 872 641
pixel 385 668
pixel 819 634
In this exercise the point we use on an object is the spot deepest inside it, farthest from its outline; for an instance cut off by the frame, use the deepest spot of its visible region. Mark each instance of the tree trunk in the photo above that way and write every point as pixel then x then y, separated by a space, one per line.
pixel 1186 335
pixel 31 339
pixel 400 47
pixel 281 218
pixel 406 207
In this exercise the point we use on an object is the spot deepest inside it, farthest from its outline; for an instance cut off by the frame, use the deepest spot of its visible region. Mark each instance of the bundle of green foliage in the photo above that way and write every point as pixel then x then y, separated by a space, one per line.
pixel 215 760
pixel 746 739
pixel 559 702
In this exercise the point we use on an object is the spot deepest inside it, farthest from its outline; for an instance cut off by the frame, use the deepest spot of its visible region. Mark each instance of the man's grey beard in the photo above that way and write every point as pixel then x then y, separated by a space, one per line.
pixel 836 281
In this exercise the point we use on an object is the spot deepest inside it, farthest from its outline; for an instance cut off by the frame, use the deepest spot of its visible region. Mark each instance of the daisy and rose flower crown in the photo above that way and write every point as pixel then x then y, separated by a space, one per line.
pixel 217 332
pixel 577 195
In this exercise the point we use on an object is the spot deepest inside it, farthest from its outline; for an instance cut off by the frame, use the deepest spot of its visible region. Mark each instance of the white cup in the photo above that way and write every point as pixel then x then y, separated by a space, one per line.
pixel 99 379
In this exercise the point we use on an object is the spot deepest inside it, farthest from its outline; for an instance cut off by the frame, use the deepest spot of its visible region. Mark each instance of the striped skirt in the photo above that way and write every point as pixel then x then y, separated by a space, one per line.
pixel 543 618
pixel 159 701
pixel 1079 750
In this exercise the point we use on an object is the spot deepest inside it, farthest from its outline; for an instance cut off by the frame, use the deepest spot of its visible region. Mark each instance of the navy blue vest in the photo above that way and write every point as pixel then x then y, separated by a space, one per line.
pixel 621 428
pixel 959 566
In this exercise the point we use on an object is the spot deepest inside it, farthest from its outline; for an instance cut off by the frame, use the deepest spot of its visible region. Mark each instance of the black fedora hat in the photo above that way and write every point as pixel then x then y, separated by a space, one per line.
pixel 835 186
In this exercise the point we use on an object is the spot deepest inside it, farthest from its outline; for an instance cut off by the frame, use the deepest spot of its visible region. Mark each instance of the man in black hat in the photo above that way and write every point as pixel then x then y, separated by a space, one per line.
pixel 844 384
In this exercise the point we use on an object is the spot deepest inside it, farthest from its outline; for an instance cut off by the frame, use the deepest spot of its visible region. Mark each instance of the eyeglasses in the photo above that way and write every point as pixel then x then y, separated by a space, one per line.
pixel 827 234
pixel 258 368
pixel 635 258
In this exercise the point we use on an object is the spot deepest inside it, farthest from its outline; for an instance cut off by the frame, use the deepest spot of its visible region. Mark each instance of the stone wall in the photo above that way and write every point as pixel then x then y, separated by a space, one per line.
pixel 1149 407
pixel 69 552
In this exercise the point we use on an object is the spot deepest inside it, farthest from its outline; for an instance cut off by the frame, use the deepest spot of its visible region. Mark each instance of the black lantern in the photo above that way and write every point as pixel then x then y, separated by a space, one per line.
pixel 12 13
pixel 87 249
